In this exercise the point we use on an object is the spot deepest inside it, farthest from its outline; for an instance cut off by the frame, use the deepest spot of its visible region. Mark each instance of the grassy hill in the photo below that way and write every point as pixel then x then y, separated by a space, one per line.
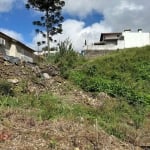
pixel 123 74
pixel 104 94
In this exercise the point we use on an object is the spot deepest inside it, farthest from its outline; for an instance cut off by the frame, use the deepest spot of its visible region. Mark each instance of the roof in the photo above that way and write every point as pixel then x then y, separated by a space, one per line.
pixel 16 41
pixel 113 33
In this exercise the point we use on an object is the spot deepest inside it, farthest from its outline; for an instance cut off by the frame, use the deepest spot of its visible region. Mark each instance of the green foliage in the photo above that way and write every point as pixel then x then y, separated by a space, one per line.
pixel 112 116
pixel 66 53
pixel 66 58
pixel 114 89
pixel 91 70
pixel 121 74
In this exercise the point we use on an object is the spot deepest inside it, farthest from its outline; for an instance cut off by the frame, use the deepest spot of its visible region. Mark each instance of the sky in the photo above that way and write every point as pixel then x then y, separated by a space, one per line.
pixel 83 20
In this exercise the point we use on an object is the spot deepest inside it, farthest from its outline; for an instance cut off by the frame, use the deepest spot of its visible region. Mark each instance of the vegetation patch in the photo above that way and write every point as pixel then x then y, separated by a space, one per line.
pixel 121 74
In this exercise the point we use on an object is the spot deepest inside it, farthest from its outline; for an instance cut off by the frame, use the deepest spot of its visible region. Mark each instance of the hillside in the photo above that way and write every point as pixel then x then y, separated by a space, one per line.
pixel 121 74
pixel 125 76
pixel 45 111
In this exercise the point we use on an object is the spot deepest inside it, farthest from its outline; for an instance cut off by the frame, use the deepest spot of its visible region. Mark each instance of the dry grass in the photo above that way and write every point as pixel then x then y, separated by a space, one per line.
pixel 26 133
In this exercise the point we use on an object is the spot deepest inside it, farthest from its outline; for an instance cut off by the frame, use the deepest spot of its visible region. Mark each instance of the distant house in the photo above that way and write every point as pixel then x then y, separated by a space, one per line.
pixel 42 53
pixel 118 40
pixel 12 47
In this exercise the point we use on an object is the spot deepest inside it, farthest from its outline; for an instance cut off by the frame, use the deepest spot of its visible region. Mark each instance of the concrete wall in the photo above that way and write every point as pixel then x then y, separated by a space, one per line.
pixel 24 54
pixel 93 53
pixel 100 47
pixel 120 44
pixel 136 39
pixel 13 49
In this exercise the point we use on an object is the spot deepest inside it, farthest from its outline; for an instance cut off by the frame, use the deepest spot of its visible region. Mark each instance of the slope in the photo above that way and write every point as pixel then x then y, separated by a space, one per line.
pixel 124 73
pixel 48 113
pixel 125 76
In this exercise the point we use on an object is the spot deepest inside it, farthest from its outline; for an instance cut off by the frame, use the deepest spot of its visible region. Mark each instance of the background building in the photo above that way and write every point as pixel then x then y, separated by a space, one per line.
pixel 118 40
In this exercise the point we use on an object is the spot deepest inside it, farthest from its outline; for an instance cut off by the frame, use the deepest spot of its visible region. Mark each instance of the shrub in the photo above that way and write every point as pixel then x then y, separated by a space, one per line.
pixel 6 88
pixel 66 58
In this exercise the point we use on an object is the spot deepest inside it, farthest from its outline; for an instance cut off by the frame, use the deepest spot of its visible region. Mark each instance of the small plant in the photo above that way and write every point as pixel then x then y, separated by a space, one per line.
pixel 52 144
pixel 66 58
pixel 92 70
pixel 6 88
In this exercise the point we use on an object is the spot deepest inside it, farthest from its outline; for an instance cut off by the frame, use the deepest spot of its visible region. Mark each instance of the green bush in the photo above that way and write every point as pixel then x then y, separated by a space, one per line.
pixel 115 89
pixel 66 58
pixel 120 74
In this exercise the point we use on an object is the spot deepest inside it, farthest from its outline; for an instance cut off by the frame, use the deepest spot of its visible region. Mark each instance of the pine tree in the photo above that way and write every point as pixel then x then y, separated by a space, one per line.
pixel 51 20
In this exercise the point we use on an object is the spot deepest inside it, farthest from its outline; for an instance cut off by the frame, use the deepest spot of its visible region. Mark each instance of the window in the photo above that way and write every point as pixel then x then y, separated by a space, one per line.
pixel 2 41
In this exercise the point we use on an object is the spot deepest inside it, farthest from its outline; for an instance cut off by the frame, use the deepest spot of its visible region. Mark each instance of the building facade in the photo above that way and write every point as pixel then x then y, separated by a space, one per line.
pixel 12 47
pixel 119 40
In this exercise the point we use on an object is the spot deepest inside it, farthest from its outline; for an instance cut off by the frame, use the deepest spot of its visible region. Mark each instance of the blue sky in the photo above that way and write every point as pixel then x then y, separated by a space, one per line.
pixel 84 19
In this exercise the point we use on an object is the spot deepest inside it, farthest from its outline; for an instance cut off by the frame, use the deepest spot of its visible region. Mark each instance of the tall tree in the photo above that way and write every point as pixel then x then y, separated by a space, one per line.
pixel 51 20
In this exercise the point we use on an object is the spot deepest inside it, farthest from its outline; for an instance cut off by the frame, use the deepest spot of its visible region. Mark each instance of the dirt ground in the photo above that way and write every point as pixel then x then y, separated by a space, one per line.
pixel 21 132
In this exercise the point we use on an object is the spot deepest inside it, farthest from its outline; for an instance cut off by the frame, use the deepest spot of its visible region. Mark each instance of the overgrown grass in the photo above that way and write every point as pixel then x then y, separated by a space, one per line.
pixel 123 74
pixel 113 115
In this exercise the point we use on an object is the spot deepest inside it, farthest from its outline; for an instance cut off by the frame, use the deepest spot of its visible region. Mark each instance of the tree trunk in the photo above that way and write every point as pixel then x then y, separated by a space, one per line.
pixel 48 44
pixel 47 34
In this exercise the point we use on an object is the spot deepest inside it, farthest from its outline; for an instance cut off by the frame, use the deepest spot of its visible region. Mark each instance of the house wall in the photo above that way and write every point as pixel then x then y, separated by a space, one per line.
pixel 12 48
pixel 93 53
pixel 136 39
pixel 23 54
pixel 100 47
pixel 120 44
pixel 7 47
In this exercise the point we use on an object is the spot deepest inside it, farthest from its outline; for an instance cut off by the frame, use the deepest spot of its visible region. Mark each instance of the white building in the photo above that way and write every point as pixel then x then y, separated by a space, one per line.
pixel 42 53
pixel 119 40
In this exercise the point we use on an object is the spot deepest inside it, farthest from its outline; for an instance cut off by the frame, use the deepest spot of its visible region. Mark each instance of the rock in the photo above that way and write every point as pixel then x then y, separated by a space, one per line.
pixel 51 70
pixel 14 81
pixel 12 59
pixel 46 76
pixel 37 70
pixel 33 90
pixel 103 96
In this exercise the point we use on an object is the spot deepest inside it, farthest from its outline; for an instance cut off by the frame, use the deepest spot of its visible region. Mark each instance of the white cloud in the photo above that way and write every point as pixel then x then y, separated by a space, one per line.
pixel 37 38
pixel 118 15
pixel 12 34
pixel 129 6
pixel 6 5
pixel 77 32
